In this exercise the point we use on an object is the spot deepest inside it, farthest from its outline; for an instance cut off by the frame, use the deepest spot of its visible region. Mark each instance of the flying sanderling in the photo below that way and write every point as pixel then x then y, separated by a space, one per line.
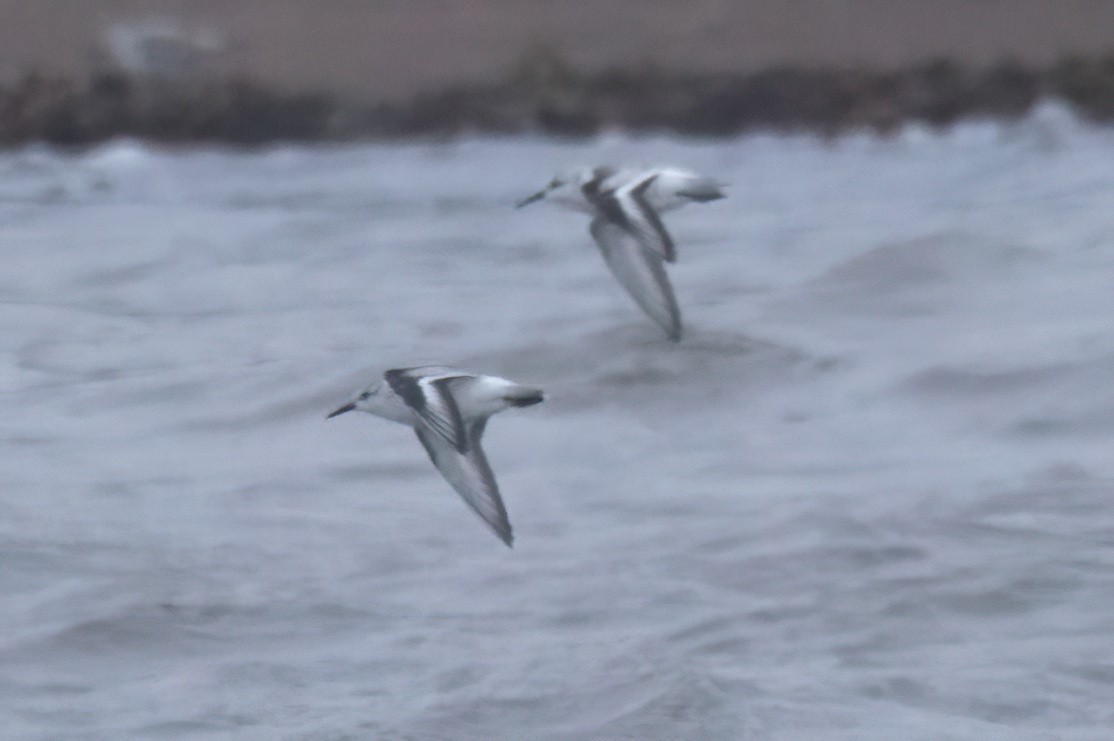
pixel 625 206
pixel 448 409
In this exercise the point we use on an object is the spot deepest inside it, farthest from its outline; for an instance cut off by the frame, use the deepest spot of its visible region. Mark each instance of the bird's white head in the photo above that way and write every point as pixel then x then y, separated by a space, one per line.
pixel 369 400
pixel 567 187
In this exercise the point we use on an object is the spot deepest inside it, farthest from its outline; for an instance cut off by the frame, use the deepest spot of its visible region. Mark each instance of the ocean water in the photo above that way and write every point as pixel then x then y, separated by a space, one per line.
pixel 869 495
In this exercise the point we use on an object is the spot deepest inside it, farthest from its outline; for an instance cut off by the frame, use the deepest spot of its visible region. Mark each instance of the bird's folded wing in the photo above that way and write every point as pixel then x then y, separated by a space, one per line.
pixel 471 477
pixel 641 272
pixel 431 397
pixel 442 413
pixel 643 221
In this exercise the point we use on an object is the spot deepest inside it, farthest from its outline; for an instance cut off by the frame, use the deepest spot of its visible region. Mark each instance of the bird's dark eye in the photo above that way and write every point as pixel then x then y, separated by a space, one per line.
pixel 555 183
pixel 365 396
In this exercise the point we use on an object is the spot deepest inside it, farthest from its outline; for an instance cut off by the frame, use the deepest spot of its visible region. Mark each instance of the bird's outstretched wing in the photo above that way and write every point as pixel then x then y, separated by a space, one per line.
pixel 471 477
pixel 642 220
pixel 432 398
pixel 641 272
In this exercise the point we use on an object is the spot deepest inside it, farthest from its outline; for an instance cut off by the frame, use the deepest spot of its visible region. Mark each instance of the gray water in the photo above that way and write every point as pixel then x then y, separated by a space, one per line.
pixel 869 495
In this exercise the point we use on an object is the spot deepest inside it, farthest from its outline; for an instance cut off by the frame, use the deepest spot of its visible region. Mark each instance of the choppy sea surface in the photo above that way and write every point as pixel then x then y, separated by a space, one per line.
pixel 869 495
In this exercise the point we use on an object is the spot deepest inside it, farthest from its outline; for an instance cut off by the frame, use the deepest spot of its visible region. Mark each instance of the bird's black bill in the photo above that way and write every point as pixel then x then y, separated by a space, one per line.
pixel 527 201
pixel 342 410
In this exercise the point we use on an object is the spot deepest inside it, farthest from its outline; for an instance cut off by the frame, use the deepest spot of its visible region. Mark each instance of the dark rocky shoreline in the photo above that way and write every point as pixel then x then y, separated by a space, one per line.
pixel 544 95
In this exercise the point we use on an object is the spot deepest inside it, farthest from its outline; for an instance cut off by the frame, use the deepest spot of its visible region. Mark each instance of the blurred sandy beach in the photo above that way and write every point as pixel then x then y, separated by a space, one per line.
pixel 384 50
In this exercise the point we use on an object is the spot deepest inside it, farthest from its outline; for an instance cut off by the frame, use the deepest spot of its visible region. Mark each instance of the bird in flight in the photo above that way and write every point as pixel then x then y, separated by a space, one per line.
pixel 448 410
pixel 626 209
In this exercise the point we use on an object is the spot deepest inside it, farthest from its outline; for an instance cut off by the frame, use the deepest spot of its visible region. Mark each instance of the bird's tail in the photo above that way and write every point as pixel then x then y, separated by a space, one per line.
pixel 524 396
pixel 702 190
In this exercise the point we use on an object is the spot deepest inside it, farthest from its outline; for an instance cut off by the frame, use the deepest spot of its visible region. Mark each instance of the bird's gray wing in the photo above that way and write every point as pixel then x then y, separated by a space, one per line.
pixel 640 271
pixel 643 221
pixel 431 397
pixel 471 477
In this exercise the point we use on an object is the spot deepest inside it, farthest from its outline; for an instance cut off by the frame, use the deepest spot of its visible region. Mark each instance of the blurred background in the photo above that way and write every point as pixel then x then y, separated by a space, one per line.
pixel 261 70
pixel 868 495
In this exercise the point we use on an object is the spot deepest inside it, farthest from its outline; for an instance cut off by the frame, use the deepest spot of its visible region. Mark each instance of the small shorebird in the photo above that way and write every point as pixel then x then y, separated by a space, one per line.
pixel 448 409
pixel 625 206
